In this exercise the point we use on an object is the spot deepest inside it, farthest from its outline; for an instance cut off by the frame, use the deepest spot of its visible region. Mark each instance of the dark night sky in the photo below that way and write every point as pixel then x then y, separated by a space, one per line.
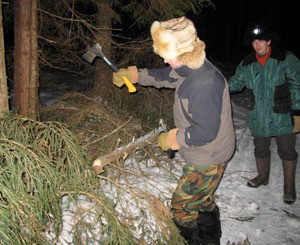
pixel 222 28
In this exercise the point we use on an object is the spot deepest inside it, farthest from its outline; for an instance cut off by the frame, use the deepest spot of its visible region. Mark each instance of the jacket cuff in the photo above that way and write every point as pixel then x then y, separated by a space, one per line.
pixel 134 74
pixel 172 139
pixel 181 138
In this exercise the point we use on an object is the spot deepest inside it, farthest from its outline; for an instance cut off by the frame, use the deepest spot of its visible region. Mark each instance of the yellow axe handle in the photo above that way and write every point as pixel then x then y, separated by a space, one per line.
pixel 131 88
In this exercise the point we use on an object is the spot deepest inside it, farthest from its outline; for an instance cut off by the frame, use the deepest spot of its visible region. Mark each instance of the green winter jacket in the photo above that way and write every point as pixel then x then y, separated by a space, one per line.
pixel 274 92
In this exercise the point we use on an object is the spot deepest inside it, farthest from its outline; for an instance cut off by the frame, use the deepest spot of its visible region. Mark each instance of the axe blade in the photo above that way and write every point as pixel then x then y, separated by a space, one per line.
pixel 92 53
pixel 96 51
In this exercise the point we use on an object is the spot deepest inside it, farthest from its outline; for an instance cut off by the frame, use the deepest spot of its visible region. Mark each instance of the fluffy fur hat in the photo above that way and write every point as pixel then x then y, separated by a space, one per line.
pixel 177 39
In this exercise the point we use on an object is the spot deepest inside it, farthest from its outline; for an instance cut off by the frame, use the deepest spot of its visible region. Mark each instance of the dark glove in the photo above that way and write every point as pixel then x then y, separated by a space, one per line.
pixel 171 153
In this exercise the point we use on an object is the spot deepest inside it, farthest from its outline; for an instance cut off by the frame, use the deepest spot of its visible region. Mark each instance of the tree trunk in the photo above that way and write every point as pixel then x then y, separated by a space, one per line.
pixel 103 74
pixel 26 58
pixel 3 81
pixel 124 151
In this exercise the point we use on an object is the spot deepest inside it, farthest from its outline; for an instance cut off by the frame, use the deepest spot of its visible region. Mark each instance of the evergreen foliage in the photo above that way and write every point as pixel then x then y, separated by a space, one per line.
pixel 41 163
pixel 44 172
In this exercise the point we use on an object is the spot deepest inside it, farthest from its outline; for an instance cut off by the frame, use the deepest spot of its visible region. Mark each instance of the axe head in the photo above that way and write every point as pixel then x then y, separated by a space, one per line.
pixel 92 53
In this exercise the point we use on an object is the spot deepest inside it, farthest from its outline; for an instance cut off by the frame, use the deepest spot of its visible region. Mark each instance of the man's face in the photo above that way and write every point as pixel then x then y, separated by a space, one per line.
pixel 173 63
pixel 261 46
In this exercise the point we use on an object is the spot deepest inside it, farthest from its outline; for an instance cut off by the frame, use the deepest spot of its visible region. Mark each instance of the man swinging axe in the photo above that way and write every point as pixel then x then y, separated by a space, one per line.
pixel 204 134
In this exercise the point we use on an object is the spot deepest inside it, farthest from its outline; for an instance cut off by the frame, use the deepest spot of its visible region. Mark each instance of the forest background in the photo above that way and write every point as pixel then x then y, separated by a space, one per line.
pixel 38 38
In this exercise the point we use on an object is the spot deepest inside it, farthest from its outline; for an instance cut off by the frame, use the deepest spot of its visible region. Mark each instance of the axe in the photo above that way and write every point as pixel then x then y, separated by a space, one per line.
pixel 96 51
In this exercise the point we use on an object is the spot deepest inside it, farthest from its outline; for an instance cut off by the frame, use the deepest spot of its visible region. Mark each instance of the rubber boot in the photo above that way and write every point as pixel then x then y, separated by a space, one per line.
pixel 189 234
pixel 263 169
pixel 289 172
pixel 209 227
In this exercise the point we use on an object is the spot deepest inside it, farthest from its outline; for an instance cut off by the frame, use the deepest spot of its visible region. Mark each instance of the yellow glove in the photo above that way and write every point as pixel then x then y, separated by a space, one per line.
pixel 162 141
pixel 168 140
pixel 118 76
pixel 131 73
pixel 296 124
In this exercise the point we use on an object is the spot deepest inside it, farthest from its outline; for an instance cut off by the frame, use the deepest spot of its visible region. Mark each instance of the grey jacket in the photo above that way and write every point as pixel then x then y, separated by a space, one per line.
pixel 202 111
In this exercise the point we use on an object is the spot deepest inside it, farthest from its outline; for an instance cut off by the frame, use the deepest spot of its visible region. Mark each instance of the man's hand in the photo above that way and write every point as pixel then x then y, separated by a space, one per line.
pixel 296 124
pixel 118 76
pixel 168 140
pixel 130 73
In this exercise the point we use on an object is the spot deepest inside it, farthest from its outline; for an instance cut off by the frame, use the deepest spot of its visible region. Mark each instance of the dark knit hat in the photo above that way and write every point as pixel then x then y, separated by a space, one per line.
pixel 262 31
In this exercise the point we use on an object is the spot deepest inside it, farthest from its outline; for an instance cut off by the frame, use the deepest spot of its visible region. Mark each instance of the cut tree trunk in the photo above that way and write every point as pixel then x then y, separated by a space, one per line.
pixel 124 151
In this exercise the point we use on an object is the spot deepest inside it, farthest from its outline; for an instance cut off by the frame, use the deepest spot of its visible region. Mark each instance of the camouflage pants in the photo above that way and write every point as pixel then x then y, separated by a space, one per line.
pixel 194 192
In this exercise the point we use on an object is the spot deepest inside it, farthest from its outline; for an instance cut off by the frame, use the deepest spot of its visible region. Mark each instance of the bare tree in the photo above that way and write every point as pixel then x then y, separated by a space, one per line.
pixel 3 81
pixel 26 58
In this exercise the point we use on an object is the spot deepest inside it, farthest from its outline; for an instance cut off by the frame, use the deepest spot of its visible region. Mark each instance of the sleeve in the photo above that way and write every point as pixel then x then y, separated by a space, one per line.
pixel 237 81
pixel 292 73
pixel 158 78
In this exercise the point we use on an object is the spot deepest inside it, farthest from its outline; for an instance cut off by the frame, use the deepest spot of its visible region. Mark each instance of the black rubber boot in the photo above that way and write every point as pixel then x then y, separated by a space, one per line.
pixel 209 227
pixel 289 171
pixel 263 169
pixel 189 234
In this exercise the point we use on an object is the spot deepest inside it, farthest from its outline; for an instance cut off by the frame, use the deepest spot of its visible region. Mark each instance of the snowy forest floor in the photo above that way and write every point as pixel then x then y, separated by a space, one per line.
pixel 248 215
pixel 257 214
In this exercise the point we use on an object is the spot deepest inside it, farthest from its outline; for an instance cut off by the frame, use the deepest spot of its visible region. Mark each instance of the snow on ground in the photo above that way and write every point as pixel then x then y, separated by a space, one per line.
pixel 258 215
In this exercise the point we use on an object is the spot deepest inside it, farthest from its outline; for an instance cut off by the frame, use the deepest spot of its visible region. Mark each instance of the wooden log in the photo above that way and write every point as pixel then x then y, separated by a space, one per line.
pixel 124 151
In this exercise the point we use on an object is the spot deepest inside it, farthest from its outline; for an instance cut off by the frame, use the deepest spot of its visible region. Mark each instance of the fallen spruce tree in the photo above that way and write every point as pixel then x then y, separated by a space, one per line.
pixel 45 171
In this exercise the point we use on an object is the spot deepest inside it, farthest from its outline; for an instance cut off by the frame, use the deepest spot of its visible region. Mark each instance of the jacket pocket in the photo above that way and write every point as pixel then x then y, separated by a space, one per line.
pixel 282 99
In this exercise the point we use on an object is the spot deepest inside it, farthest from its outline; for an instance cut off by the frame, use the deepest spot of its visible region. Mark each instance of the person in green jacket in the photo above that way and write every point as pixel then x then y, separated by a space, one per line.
pixel 272 76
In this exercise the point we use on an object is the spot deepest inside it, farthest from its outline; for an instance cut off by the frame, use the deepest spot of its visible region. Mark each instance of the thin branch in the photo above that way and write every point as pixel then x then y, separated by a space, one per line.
pixel 105 136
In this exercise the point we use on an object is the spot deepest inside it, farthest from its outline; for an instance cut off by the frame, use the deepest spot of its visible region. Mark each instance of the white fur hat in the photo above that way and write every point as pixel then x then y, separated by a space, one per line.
pixel 177 39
